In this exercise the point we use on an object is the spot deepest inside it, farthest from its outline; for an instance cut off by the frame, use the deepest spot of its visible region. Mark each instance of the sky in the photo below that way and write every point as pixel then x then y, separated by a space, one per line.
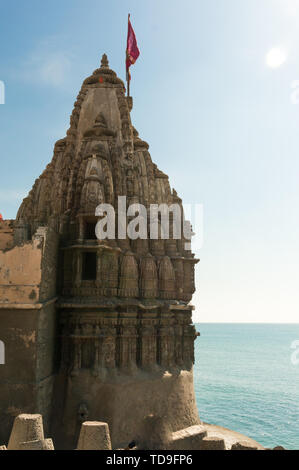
pixel 215 94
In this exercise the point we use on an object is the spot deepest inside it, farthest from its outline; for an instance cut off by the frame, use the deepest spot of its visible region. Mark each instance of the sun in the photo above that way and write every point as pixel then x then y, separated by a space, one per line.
pixel 276 57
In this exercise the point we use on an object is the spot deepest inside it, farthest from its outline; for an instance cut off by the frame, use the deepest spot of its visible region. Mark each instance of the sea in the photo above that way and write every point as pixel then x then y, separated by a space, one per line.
pixel 246 378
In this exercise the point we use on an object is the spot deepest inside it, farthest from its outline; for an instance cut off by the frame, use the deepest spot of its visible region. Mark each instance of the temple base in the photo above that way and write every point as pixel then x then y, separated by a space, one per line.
pixel 124 403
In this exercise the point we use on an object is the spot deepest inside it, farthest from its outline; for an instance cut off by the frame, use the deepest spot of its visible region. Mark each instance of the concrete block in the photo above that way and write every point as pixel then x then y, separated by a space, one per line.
pixel 26 428
pixel 212 443
pixel 44 444
pixel 188 438
pixel 94 435
pixel 243 445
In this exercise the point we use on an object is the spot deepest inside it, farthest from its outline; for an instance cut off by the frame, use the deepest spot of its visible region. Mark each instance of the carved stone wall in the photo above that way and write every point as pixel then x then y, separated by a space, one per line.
pixel 105 340
pixel 122 304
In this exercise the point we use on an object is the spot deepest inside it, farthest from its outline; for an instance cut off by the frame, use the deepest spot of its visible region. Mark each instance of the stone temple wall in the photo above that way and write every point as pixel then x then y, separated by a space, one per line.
pixel 6 234
pixel 28 327
pixel 106 329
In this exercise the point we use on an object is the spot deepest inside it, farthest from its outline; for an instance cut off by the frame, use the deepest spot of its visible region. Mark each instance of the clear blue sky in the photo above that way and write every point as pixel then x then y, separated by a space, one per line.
pixel 219 121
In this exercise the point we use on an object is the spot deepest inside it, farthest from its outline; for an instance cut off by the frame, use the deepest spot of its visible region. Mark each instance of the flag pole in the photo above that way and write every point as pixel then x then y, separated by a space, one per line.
pixel 127 70
pixel 128 84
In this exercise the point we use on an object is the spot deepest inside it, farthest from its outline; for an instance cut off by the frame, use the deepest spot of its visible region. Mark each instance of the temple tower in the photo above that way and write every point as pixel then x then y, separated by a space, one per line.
pixel 124 341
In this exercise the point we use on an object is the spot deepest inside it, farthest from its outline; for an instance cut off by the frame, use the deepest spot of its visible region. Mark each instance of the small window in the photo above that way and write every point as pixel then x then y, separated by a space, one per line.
pixel 89 268
pixel 90 231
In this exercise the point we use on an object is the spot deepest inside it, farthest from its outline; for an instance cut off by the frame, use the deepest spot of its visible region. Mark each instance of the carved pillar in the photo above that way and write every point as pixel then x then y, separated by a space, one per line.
pixel 166 346
pixel 148 347
pixel 107 272
pixel 76 352
pixel 109 349
pixel 128 347
pixel 78 269
pixel 129 275
pixel 178 341
pixel 188 345
pixel 81 229
pixel 166 279
pixel 189 280
pixel 179 277
pixel 148 277
pixel 98 367
pixel 171 247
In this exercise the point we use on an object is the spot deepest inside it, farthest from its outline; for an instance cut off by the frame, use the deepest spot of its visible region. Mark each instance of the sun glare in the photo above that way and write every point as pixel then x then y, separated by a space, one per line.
pixel 276 57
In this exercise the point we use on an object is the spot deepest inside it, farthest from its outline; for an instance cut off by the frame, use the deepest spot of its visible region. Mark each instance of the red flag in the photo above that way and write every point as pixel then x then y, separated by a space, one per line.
pixel 132 49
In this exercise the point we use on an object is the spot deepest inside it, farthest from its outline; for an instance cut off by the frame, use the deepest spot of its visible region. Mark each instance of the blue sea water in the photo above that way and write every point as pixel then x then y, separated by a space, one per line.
pixel 245 380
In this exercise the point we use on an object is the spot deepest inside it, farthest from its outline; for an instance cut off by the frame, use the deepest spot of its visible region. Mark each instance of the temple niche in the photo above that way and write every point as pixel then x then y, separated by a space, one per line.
pixel 124 341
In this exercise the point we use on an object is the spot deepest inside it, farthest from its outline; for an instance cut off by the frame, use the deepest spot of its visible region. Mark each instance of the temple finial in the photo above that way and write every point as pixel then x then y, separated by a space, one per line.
pixel 104 61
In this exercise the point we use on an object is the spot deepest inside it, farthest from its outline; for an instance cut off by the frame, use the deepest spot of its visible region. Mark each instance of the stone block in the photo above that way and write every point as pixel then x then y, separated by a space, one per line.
pixel 94 435
pixel 44 444
pixel 26 428
pixel 244 445
pixel 188 438
pixel 212 443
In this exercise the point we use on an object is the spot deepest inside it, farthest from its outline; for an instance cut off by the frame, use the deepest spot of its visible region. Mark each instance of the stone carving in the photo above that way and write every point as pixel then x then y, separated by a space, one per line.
pixel 148 277
pixel 128 284
pixel 94 164
pixel 122 305
pixel 166 279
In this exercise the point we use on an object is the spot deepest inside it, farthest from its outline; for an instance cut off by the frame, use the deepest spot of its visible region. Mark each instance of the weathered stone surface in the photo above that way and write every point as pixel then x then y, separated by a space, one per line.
pixel 6 234
pixel 188 438
pixel 94 435
pixel 212 443
pixel 229 436
pixel 125 332
pixel 243 445
pixel 157 433
pixel 45 444
pixel 26 428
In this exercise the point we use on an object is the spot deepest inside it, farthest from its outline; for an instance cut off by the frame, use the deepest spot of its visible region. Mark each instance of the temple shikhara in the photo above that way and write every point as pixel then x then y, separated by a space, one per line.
pixel 96 330
pixel 96 335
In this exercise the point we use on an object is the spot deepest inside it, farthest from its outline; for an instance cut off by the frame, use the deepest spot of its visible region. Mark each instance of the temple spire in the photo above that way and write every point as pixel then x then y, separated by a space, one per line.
pixel 104 61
